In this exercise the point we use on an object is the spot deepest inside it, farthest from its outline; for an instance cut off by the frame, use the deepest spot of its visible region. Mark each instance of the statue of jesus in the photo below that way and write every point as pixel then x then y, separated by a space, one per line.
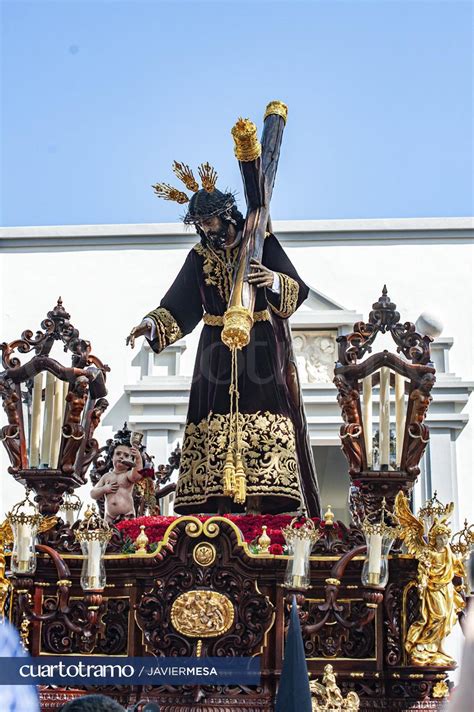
pixel 275 479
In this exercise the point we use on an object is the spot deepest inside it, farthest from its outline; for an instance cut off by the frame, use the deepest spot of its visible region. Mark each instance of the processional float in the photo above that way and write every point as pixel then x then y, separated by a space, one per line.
pixel 189 586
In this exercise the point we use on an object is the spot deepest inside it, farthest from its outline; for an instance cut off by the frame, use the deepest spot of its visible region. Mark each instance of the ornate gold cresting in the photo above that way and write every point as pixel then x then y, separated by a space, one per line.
pixel 327 695
pixel 202 614
pixel 440 601
pixel 247 147
pixel 278 108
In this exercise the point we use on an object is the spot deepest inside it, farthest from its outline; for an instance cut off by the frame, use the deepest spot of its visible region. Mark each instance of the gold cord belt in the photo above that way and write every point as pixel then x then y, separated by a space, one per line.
pixel 216 320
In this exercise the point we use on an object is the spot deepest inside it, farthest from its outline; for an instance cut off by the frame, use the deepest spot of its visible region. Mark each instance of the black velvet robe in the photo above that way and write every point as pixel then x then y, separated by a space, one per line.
pixel 276 451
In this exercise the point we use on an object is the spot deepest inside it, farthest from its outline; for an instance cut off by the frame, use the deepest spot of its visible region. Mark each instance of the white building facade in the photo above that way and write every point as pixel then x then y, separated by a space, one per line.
pixel 109 276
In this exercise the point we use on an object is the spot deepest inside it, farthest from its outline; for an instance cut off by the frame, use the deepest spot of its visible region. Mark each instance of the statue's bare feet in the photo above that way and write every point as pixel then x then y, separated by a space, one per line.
pixel 254 505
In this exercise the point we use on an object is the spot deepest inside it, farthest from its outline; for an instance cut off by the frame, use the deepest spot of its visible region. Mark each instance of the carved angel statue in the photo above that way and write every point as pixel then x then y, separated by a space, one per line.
pixel 327 696
pixel 440 601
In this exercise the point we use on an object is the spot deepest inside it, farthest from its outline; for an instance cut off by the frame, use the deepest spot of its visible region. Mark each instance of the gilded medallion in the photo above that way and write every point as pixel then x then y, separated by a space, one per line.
pixel 204 554
pixel 202 614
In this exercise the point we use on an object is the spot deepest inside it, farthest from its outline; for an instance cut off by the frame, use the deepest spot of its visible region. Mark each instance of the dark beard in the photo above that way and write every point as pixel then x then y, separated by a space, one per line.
pixel 217 240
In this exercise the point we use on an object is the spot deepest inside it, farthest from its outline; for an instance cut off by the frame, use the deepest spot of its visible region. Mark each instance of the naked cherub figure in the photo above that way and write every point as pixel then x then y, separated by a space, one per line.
pixel 117 484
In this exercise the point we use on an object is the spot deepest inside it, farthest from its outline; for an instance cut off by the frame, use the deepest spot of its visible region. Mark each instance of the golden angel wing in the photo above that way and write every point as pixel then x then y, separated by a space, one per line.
pixel 412 528
pixel 6 533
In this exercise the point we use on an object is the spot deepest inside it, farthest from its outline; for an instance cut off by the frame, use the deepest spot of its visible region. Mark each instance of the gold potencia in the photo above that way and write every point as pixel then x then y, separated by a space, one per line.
pixel 182 171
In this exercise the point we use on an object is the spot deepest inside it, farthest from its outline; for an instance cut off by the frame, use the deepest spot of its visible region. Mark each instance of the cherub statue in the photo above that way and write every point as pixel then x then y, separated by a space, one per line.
pixel 440 601
pixel 117 484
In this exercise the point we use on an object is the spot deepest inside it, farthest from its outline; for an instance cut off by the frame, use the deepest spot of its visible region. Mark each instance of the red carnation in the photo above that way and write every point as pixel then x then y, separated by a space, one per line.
pixel 275 549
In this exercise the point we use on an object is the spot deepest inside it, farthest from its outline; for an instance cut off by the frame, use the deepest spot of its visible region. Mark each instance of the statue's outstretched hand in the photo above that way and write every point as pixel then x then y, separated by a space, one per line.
pixel 140 330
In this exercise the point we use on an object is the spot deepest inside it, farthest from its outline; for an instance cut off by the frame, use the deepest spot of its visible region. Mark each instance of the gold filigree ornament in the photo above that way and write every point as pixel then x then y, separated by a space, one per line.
pixel 433 509
pixel 440 690
pixel 185 174
pixel 202 614
pixel 463 541
pixel 204 554
pixel 440 601
pixel 93 528
pixel 327 696
pixel 278 108
pixel 167 192
pixel 246 144
pixel 208 177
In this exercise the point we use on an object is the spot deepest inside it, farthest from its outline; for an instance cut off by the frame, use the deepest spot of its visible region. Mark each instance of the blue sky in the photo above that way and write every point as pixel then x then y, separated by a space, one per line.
pixel 99 97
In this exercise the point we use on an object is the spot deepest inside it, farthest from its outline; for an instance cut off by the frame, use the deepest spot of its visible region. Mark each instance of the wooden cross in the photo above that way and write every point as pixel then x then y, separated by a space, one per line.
pixel 258 166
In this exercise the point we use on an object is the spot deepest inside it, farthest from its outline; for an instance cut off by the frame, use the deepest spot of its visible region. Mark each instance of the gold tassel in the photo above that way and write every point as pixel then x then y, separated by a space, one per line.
pixel 240 494
pixel 229 475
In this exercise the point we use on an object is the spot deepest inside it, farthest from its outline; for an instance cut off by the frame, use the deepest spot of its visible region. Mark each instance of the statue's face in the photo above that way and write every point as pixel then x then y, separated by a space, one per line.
pixel 442 541
pixel 82 384
pixel 215 230
pixel 121 458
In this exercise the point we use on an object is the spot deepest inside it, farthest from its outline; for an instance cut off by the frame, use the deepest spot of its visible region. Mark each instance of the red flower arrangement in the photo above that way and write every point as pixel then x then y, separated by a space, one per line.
pixel 249 524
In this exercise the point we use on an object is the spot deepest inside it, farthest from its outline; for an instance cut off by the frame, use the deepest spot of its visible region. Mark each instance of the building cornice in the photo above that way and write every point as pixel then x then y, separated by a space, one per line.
pixel 291 232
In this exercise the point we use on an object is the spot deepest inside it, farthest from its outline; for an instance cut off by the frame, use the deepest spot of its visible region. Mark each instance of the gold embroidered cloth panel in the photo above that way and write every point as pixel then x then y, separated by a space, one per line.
pixel 268 451
pixel 289 290
pixel 167 329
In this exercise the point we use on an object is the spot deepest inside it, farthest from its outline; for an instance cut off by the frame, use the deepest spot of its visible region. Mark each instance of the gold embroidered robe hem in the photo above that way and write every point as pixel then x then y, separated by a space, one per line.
pixel 269 457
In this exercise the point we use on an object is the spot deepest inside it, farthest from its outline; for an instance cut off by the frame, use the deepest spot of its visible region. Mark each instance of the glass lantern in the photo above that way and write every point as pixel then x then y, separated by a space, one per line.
pixel 300 536
pixel 93 534
pixel 379 535
pixel 25 520
pixel 71 507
